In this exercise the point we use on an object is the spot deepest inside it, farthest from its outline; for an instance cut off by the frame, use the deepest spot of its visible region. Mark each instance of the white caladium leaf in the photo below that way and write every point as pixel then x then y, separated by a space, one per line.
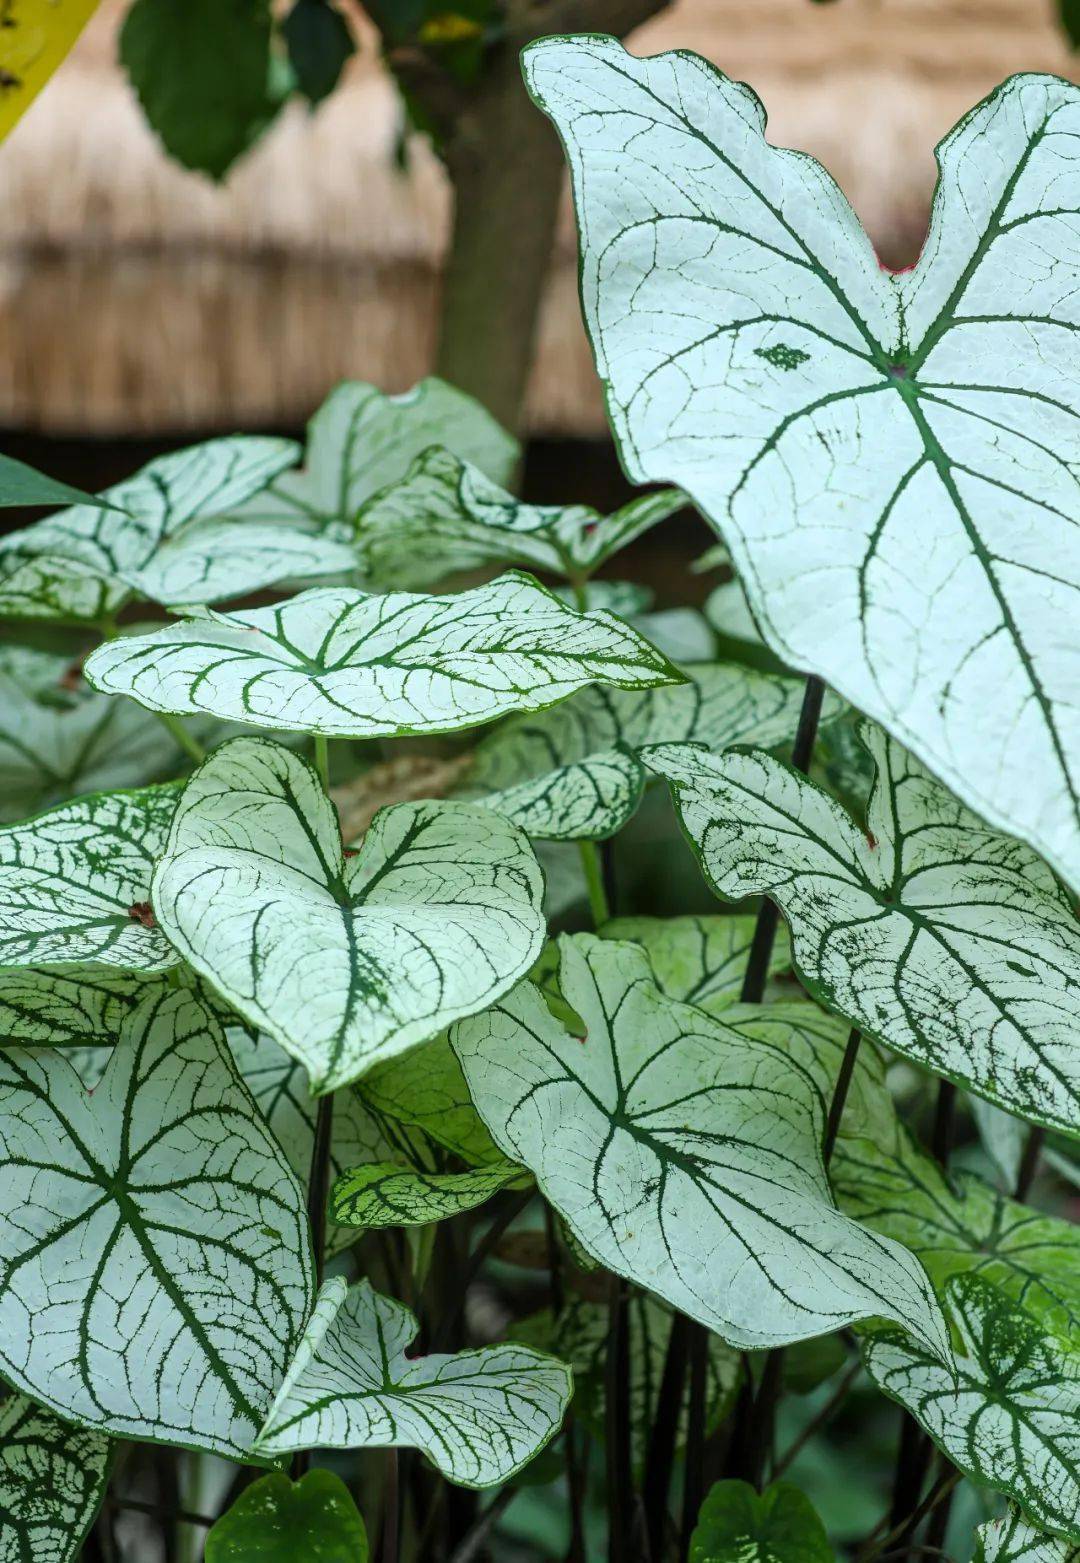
pixel 479 1416
pixel 892 460
pixel 64 1005
pixel 220 559
pixel 154 1249
pixel 384 1194
pixel 1014 1539
pixel 445 516
pixel 83 563
pixel 348 664
pixel 1007 1413
pixel 699 960
pixel 930 931
pixel 573 772
pixel 52 1480
pixel 425 1089
pixel 684 1155
pixel 344 958
pixel 75 883
pixel 361 441
pixel 959 1224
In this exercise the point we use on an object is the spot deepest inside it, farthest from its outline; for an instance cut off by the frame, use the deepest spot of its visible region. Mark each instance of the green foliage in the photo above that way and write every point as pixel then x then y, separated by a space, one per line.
pixel 319 43
pixel 275 1518
pixel 777 1526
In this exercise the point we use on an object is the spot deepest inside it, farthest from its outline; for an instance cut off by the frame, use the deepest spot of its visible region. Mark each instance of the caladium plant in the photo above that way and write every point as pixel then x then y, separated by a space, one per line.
pixel 332 1132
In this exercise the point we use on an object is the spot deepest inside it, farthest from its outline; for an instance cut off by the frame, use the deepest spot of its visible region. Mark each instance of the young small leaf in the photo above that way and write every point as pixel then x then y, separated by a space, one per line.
pixel 1013 1539
pixel 383 1194
pixel 154 1246
pixel 347 664
pixel 573 772
pixel 445 516
pixel 84 563
pixel 928 930
pixel 479 1416
pixel 75 883
pixel 361 440
pixel 889 458
pixel 314 1519
pixel 52 1480
pixel 779 1525
pixel 425 1089
pixel 345 959
pixel 1007 1414
pixel 683 1155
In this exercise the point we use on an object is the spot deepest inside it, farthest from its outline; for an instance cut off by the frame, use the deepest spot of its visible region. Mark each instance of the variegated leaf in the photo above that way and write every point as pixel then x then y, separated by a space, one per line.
pixel 344 958
pixel 683 1155
pixel 347 664
pixel 699 960
pixel 64 1006
pixel 154 1252
pixel 928 930
pixel 75 883
pixel 361 441
pixel 222 559
pixel 1014 1539
pixel 892 460
pixel 779 1525
pixel 384 1194
pixel 1007 1414
pixel 84 563
pixel 573 772
pixel 445 516
pixel 479 1416
pixel 424 1089
pixel 52 1480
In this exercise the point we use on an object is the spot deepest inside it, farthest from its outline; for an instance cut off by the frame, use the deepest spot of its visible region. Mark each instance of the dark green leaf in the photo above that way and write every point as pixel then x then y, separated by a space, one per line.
pixel 273 1519
pixel 23 485
pixel 319 44
pixel 780 1526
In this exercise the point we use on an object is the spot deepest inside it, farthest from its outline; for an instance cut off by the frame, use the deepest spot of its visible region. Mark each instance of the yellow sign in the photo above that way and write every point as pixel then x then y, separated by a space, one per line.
pixel 35 36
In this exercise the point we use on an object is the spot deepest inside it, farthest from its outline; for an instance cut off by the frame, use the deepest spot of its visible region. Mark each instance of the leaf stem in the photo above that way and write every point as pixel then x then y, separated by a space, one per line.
pixel 322 760
pixel 187 742
pixel 318 1190
pixel 840 1091
pixel 1029 1162
pixel 473 1264
pixel 186 1516
pixel 470 1544
pixel 661 1452
pixel 941 1489
pixel 594 883
pixel 816 1423
pixel 941 1135
pixel 389 1550
pixel 617 1422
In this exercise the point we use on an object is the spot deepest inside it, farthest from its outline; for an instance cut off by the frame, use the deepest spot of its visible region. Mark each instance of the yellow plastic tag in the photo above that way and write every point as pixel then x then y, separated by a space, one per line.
pixel 35 36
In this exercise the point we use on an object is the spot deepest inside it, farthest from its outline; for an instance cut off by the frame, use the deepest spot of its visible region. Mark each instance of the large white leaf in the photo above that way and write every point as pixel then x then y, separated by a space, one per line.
pixel 220 559
pixel 699 960
pixel 446 516
pixel 52 1480
pixel 479 1416
pixel 684 1155
pixel 928 930
pixel 361 441
pixel 893 461
pixel 352 665
pixel 1007 1413
pixel 1013 1539
pixel 154 1252
pixel 64 1006
pixel 573 772
pixel 75 883
pixel 84 563
pixel 344 958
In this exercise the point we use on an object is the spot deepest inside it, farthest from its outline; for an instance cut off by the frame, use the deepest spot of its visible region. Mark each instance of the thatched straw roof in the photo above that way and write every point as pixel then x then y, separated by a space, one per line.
pixel 135 297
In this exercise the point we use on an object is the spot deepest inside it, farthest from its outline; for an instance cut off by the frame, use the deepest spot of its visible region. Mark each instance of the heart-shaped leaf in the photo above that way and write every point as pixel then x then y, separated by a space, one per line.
pixel 1007 1414
pixel 384 1194
pixel 1013 1539
pixel 83 563
pixel 52 1480
pixel 959 1224
pixel 425 1089
pixel 75 883
pixel 889 458
pixel 351 665
pixel 220 559
pixel 344 959
pixel 154 1250
pixel 573 772
pixel 928 930
pixel 779 1525
pixel 479 1416
pixel 361 440
pixel 699 960
pixel 314 1518
pixel 445 516
pixel 683 1155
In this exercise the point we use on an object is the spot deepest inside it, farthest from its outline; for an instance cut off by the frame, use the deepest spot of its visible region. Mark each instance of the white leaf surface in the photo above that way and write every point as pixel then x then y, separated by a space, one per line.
pixel 64 1005
pixel 684 1155
pixel 348 664
pixel 221 559
pixel 699 960
pixel 154 1251
pixel 479 1416
pixel 1013 1539
pixel 361 440
pixel 893 461
pixel 75 883
pixel 928 930
pixel 52 1480
pixel 345 959
pixel 83 563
